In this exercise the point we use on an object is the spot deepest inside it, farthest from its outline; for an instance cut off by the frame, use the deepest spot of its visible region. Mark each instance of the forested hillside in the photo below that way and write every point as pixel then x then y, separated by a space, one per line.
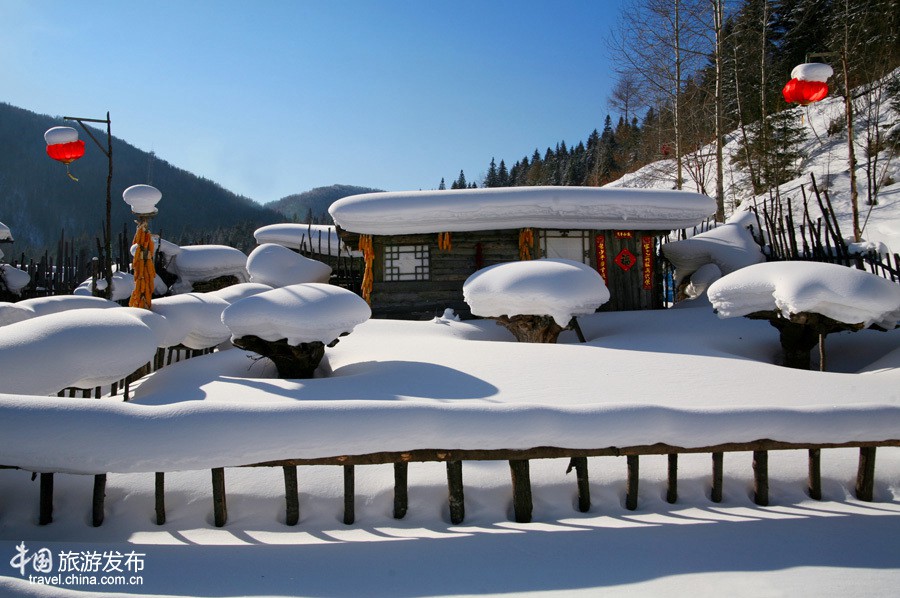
pixel 312 206
pixel 38 201
pixel 691 70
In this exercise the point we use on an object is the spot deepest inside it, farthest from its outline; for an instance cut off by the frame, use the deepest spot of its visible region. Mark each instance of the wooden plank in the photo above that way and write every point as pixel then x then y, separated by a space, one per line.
pixel 815 474
pixel 761 478
pixel 865 475
pixel 546 452
pixel 46 502
pixel 631 493
pixel 98 500
pixel 401 489
pixel 672 482
pixel 160 497
pixel 349 495
pixel 717 465
pixel 521 483
pixel 457 496
pixel 220 508
pixel 291 495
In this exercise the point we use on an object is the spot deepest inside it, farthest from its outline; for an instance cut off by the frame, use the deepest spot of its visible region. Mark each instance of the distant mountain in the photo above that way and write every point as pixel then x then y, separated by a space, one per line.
pixel 38 201
pixel 315 202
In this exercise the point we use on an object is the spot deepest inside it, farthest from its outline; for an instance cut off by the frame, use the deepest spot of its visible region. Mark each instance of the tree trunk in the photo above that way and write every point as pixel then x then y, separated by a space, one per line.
pixel 291 361
pixel 532 329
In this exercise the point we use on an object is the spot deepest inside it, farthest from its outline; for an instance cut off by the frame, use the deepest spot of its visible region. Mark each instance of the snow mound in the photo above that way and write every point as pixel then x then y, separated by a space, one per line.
pixel 701 279
pixel 520 207
pixel 42 306
pixel 5 233
pixel 278 266
pixel 301 313
pixel 730 247
pixel 554 287
pixel 840 293
pixel 14 279
pixel 10 313
pixel 199 263
pixel 236 292
pixel 83 348
pixel 166 334
pixel 122 284
pixel 197 316
pixel 320 238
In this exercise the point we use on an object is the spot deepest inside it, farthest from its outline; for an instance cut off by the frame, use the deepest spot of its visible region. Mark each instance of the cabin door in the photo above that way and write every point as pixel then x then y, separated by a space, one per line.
pixel 565 244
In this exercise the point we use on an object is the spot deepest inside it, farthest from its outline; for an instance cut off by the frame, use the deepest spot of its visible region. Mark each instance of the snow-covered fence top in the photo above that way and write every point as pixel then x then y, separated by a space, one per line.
pixel 595 208
pixel 410 386
pixel 316 238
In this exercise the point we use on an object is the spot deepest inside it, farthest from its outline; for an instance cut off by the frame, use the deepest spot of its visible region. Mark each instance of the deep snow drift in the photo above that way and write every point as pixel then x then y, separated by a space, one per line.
pixel 706 370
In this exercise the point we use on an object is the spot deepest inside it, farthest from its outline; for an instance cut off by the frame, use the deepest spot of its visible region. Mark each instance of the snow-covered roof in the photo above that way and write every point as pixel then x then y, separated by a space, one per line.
pixel 554 287
pixel 278 266
pixel 198 263
pixel 319 238
pixel 840 293
pixel 455 210
pixel 301 313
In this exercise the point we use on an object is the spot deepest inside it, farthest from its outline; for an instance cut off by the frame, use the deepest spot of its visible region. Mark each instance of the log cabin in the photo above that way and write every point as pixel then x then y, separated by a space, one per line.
pixel 420 246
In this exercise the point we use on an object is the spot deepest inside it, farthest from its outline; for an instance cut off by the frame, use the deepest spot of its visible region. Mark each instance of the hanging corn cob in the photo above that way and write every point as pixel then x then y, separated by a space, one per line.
pixel 368 251
pixel 142 266
pixel 444 242
pixel 526 242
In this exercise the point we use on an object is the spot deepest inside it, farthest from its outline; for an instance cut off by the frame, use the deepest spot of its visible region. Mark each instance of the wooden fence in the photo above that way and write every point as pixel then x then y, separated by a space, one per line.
pixel 519 464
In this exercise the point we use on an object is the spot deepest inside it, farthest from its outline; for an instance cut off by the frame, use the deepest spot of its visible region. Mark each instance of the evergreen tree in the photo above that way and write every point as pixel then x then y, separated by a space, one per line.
pixel 491 180
pixel 502 175
pixel 773 147
pixel 442 186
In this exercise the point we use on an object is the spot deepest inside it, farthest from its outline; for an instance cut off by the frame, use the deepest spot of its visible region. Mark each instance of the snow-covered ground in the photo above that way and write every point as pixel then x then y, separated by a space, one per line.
pixel 682 373
pixel 826 158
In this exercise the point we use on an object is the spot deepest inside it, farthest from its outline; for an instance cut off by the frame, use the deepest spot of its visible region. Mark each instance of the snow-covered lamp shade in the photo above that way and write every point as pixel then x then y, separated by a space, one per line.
pixel 63 144
pixel 142 198
pixel 807 84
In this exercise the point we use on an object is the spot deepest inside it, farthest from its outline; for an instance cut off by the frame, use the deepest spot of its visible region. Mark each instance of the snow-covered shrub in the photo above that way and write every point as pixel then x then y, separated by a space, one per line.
pixel 537 299
pixel 278 266
pixel 293 324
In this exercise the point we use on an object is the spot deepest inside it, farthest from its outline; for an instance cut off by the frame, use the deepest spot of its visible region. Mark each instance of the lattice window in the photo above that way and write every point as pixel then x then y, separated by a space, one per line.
pixel 571 245
pixel 406 262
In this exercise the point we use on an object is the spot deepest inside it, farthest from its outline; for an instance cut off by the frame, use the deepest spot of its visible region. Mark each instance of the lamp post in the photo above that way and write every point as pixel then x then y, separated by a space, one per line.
pixel 67 157
pixel 143 200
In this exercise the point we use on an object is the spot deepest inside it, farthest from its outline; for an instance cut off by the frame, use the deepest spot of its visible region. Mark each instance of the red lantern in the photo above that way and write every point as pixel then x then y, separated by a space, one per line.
pixel 64 146
pixel 66 152
pixel 808 84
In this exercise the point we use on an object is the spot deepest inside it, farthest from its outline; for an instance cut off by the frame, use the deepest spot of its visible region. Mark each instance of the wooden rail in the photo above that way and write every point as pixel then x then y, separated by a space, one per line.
pixel 519 473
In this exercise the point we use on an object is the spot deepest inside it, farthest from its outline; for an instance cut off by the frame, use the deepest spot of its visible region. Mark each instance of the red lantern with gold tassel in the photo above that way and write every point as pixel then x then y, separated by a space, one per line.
pixel 64 146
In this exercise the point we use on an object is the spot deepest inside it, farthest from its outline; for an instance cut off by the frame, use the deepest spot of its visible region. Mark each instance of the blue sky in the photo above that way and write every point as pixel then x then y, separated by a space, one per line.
pixel 272 97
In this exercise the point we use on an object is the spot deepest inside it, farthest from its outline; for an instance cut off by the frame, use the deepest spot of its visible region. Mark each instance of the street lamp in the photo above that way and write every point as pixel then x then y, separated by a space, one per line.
pixel 107 151
pixel 143 200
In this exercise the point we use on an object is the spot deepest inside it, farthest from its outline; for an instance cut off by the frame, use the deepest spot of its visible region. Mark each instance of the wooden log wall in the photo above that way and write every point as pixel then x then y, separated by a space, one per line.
pixel 521 491
pixel 448 270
